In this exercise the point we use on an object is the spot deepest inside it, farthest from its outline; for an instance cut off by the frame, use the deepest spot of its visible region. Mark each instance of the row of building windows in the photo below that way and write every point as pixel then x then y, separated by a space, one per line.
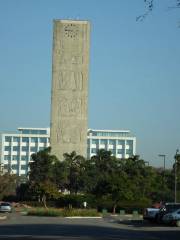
pixel 26 139
pixel 109 134
pixel 16 157
pixel 15 167
pixel 111 142
pixel 23 149
pixel 113 151
pixel 33 131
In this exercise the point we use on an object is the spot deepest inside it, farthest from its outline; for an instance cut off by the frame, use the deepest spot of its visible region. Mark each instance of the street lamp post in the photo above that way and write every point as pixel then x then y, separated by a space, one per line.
pixel 164 158
pixel 175 177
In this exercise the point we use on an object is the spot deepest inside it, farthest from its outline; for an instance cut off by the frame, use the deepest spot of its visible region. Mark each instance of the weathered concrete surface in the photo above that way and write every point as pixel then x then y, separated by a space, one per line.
pixel 69 87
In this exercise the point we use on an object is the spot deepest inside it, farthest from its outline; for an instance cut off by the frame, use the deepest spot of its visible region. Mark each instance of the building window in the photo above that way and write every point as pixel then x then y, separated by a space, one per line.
pixel 16 139
pixel 24 158
pixel 93 150
pixel 25 139
pixel 24 167
pixel 7 139
pixel 34 139
pixel 42 140
pixel 41 148
pixel 7 148
pixel 129 142
pixel 16 148
pixel 113 152
pixel 33 149
pixel 120 151
pixel 6 166
pixel 14 167
pixel 112 142
pixel 103 141
pixel 121 142
pixel 15 157
pixel 7 157
pixel 25 149
pixel 94 141
pixel 129 151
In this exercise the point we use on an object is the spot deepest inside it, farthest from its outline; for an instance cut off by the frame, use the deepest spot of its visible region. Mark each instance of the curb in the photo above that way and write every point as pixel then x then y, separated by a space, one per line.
pixel 3 217
pixel 79 217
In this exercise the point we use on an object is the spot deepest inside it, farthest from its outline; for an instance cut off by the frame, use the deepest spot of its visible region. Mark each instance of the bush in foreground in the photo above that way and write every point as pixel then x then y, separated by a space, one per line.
pixel 52 212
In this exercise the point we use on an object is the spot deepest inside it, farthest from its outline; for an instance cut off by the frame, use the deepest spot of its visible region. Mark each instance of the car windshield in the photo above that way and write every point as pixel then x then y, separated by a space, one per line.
pixel 172 208
pixel 5 204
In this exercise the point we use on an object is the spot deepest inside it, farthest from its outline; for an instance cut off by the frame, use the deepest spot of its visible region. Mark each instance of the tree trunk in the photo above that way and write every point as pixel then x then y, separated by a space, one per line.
pixel 44 201
pixel 114 208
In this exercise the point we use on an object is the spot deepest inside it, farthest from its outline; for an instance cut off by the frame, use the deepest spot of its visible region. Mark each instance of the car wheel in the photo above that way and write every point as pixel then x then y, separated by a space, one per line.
pixel 178 223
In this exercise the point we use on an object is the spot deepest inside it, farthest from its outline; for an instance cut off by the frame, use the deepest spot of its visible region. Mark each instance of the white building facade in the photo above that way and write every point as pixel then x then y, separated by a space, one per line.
pixel 16 148
pixel 120 142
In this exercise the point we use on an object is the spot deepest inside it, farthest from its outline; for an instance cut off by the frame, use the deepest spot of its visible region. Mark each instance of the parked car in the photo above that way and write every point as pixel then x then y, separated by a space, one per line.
pixel 166 208
pixel 172 218
pixel 5 207
pixel 150 213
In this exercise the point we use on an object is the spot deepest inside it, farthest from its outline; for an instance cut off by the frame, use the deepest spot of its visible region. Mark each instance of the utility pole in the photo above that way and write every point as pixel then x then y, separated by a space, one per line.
pixel 175 176
pixel 164 158
pixel 164 167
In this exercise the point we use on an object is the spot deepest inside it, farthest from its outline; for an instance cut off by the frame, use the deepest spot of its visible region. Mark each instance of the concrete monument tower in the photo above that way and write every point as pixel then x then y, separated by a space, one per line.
pixel 69 87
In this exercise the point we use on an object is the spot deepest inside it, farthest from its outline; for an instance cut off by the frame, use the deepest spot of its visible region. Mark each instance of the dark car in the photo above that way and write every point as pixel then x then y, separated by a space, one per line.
pixel 166 208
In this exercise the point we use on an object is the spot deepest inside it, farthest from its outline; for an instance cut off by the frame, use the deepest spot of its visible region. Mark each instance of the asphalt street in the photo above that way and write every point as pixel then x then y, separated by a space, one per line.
pixel 17 226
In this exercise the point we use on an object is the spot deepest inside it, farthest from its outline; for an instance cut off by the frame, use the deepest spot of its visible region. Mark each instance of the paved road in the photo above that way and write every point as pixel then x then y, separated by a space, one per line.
pixel 25 227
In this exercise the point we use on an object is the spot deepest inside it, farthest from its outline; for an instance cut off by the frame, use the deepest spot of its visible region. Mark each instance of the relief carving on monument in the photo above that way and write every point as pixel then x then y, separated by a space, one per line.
pixel 72 57
pixel 58 134
pixel 70 80
pixel 71 134
pixel 70 107
pixel 69 46
pixel 67 133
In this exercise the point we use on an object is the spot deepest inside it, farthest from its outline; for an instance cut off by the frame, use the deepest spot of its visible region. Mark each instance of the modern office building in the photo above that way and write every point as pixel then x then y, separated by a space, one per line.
pixel 120 142
pixel 16 148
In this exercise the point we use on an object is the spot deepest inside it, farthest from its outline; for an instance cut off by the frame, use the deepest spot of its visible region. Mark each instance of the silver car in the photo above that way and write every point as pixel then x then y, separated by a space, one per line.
pixel 5 207
pixel 172 218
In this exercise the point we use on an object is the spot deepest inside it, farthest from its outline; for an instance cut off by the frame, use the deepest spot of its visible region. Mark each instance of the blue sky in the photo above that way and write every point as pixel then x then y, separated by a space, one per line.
pixel 134 80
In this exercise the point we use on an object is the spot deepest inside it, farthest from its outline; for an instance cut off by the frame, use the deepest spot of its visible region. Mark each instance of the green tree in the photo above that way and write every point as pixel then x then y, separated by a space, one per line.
pixel 41 176
pixel 106 179
pixel 73 168
pixel 176 174
pixel 8 184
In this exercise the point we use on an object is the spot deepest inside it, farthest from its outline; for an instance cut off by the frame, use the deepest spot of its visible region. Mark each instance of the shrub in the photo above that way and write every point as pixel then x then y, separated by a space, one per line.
pixel 80 212
pixel 52 212
pixel 76 201
pixel 44 212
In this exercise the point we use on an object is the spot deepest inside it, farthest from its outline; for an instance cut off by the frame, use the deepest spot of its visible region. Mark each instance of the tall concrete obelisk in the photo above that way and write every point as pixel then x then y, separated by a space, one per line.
pixel 69 87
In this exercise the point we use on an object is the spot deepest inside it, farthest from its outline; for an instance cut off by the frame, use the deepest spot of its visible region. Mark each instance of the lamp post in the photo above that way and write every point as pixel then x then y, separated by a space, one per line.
pixel 164 158
pixel 175 177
